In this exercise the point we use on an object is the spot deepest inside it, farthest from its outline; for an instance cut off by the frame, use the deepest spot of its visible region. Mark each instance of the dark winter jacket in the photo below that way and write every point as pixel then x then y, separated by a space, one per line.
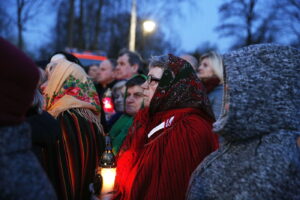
pixel 260 125
pixel 21 175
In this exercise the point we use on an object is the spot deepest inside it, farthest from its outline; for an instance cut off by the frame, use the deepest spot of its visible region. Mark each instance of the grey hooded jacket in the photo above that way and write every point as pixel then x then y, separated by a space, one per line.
pixel 21 175
pixel 260 158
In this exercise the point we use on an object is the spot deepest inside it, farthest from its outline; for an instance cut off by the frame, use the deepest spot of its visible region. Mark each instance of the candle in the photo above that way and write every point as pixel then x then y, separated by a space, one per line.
pixel 108 178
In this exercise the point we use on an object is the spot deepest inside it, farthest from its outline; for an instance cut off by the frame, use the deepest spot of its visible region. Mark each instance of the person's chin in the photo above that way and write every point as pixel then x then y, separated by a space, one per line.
pixel 129 110
pixel 146 102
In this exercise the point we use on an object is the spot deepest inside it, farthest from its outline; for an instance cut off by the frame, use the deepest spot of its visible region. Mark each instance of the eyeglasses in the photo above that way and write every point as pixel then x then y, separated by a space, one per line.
pixel 150 79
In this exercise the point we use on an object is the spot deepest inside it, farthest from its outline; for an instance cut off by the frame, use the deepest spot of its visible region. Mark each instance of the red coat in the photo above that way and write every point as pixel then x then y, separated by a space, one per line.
pixel 160 167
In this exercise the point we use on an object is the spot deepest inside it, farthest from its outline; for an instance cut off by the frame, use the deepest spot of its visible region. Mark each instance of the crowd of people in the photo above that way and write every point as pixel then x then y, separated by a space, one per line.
pixel 221 127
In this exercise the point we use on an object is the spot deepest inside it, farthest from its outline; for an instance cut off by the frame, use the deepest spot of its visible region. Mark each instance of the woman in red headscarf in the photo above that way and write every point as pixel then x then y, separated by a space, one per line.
pixel 168 138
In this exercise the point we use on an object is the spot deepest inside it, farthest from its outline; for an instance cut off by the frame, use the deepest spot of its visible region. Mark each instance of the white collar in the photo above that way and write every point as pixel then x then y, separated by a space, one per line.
pixel 164 124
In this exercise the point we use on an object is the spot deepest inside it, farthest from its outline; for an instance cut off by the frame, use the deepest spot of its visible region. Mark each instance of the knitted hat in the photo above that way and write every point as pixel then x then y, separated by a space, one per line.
pixel 18 80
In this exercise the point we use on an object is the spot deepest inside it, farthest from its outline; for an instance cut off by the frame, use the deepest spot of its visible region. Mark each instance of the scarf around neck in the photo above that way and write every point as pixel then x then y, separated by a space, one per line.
pixel 211 84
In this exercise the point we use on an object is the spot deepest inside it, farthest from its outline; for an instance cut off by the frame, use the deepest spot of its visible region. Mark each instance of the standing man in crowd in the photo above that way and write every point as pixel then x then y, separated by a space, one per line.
pixel 105 76
pixel 105 81
pixel 129 64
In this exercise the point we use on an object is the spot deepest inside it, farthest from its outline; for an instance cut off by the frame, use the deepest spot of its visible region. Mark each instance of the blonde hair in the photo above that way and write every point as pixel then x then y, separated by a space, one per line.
pixel 216 62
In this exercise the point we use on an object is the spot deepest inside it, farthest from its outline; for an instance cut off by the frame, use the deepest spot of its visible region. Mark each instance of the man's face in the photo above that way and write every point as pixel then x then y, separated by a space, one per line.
pixel 93 72
pixel 134 99
pixel 105 73
pixel 124 70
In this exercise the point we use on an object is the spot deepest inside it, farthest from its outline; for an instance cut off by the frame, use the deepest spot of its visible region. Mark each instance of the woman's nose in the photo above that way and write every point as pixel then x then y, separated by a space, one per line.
pixel 145 85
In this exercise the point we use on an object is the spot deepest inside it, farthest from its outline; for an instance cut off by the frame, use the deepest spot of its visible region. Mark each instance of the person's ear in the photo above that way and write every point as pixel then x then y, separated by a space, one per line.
pixel 135 68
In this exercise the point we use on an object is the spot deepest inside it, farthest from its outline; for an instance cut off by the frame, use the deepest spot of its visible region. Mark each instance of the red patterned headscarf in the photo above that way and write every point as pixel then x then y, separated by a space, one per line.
pixel 180 88
pixel 69 87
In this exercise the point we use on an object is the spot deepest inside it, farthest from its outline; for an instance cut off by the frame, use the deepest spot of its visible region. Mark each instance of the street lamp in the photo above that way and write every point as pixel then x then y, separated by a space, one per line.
pixel 132 26
pixel 149 26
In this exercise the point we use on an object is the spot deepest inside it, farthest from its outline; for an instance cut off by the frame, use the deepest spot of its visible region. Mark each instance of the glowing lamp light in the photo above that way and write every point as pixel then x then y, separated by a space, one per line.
pixel 108 105
pixel 108 176
pixel 149 26
pixel 107 171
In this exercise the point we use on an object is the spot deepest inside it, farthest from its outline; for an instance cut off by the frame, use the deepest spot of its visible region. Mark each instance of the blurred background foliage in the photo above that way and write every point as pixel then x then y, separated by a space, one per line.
pixel 103 25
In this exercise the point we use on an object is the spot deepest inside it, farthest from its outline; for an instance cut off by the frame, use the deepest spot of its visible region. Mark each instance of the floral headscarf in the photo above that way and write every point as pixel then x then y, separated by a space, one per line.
pixel 180 88
pixel 69 87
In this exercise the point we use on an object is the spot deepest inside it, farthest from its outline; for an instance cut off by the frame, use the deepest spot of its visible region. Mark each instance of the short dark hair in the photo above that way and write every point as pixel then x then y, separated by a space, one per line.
pixel 113 62
pixel 87 68
pixel 134 58
pixel 136 80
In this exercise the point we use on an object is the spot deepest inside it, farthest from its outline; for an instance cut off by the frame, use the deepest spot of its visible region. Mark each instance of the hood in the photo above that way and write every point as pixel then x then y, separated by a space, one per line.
pixel 261 92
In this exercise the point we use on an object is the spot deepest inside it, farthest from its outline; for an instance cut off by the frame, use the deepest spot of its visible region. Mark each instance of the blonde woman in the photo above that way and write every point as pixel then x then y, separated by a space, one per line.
pixel 210 71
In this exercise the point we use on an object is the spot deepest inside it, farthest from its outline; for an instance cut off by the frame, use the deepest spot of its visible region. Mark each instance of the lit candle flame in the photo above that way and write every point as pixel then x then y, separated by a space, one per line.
pixel 108 177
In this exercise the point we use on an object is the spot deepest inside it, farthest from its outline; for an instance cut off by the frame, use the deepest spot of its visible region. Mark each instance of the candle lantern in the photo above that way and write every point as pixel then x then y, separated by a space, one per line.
pixel 106 172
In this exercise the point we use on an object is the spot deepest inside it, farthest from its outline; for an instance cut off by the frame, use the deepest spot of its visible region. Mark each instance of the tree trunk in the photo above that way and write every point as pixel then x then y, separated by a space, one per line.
pixel 20 6
pixel 80 26
pixel 250 19
pixel 95 43
pixel 70 24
